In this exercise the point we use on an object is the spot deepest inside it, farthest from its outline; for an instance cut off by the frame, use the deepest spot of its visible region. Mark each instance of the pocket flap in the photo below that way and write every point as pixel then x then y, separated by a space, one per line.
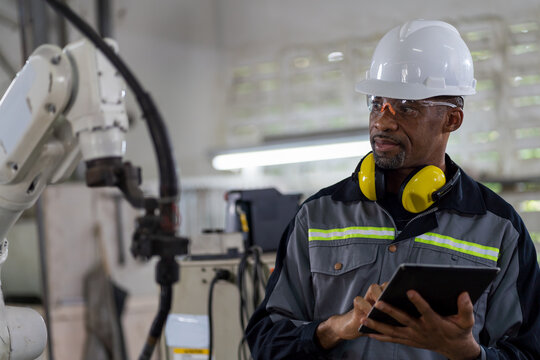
pixel 337 259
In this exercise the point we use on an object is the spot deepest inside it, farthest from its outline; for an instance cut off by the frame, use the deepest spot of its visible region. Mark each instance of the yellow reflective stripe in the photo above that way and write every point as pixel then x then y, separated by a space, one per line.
pixel 354 228
pixel 447 242
pixel 191 351
pixel 351 232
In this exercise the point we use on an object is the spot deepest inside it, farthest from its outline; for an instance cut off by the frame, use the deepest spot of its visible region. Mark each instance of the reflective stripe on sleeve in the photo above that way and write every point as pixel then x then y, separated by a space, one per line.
pixel 447 242
pixel 352 232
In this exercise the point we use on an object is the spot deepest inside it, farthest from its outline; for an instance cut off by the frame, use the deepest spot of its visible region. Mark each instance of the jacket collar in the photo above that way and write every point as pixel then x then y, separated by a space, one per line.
pixel 464 197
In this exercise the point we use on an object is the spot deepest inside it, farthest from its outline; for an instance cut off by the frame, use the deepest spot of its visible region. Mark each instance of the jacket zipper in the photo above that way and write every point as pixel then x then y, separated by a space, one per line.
pixel 396 232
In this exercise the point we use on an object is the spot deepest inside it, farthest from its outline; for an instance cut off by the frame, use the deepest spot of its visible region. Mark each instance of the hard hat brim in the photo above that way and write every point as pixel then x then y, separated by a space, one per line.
pixel 408 91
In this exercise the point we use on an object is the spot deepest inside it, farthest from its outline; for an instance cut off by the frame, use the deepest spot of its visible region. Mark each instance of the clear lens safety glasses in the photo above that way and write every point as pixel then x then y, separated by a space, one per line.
pixel 404 108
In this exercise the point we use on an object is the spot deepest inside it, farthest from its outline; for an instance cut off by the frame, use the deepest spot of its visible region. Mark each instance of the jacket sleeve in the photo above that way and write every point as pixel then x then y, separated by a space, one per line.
pixel 512 328
pixel 282 327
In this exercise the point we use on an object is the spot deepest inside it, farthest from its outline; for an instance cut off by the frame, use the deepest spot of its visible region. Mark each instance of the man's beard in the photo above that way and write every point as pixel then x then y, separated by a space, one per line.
pixel 394 162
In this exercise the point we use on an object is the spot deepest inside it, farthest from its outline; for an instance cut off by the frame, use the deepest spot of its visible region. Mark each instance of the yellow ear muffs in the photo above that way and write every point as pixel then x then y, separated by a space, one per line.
pixel 417 192
pixel 371 179
pixel 366 177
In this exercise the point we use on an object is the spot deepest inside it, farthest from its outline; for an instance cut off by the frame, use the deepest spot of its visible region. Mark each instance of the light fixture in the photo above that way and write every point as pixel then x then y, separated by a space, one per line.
pixel 335 56
pixel 290 153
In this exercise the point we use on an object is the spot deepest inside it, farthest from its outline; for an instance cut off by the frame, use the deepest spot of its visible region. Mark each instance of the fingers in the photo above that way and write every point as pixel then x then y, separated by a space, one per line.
pixel 421 305
pixel 397 340
pixel 361 305
pixel 401 316
pixel 395 332
pixel 373 293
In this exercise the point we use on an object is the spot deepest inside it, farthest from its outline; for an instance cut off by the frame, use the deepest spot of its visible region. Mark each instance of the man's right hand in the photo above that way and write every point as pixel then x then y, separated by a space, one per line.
pixel 345 326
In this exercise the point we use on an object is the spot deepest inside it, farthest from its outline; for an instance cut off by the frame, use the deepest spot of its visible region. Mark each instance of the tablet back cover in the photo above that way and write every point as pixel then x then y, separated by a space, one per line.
pixel 439 285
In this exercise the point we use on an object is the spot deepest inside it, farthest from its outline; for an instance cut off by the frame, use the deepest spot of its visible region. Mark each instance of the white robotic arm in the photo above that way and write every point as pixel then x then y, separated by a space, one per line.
pixel 62 105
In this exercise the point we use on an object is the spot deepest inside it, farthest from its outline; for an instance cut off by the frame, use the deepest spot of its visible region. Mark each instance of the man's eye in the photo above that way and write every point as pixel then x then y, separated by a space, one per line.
pixel 408 110
pixel 376 106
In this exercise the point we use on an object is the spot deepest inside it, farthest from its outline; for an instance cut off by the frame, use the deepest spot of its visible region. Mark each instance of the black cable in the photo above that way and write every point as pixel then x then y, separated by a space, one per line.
pixel 242 309
pixel 241 289
pixel 244 313
pixel 221 274
pixel 257 276
pixel 167 168
pixel 169 189
pixel 258 283
pixel 242 355
pixel 159 321
pixel 210 320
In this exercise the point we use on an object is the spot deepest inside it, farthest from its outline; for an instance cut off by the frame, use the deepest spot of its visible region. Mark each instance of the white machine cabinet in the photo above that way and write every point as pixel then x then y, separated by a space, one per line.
pixel 191 297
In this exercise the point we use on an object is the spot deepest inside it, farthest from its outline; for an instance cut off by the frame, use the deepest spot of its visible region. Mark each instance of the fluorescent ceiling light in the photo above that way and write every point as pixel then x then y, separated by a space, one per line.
pixel 288 155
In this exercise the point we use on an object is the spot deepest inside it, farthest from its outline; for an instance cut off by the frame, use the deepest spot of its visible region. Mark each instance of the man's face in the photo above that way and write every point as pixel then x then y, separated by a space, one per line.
pixel 407 134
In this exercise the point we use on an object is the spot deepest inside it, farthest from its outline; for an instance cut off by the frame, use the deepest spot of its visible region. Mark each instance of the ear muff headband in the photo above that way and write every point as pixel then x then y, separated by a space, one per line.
pixel 417 190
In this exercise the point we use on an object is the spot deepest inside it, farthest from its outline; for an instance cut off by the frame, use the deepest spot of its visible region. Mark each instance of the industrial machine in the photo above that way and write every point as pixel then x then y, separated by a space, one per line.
pixel 232 274
pixel 261 215
pixel 65 105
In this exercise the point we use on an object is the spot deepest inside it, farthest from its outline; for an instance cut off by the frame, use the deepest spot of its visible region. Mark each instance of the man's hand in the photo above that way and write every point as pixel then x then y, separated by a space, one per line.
pixel 345 326
pixel 450 336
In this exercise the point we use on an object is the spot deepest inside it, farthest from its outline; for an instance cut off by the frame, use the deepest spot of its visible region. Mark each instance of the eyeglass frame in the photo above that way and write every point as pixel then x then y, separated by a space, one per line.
pixel 422 102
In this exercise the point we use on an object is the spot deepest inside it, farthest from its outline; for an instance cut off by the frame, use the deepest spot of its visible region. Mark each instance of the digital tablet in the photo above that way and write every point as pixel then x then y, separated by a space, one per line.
pixel 439 285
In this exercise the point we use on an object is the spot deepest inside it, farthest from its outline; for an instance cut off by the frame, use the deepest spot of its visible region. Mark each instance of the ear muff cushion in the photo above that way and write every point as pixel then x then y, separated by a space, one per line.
pixel 416 193
pixel 366 177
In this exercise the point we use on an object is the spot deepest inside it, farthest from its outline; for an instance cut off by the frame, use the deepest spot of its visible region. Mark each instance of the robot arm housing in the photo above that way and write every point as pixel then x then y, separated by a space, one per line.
pixel 61 106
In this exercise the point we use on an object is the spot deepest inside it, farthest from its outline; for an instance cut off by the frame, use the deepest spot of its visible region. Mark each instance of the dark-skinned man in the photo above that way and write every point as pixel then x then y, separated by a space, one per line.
pixel 348 239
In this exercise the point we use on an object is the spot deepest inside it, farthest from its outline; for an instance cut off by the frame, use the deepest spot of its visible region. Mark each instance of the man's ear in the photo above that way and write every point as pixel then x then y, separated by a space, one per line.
pixel 454 119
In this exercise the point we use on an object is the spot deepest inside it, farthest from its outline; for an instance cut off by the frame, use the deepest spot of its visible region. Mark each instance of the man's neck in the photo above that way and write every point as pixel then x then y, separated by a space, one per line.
pixel 396 177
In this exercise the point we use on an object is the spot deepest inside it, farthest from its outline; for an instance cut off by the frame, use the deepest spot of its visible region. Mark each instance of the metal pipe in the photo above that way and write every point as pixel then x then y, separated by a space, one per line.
pixel 104 18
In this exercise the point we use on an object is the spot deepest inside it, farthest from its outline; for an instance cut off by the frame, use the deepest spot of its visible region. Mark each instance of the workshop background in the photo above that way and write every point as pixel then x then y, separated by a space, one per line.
pixel 234 74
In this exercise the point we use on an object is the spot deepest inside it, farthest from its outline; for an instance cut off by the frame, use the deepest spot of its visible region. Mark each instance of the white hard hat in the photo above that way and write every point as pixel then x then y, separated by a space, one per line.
pixel 419 60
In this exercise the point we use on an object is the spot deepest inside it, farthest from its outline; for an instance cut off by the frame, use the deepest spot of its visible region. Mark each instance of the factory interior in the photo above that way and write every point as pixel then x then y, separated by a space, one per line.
pixel 230 77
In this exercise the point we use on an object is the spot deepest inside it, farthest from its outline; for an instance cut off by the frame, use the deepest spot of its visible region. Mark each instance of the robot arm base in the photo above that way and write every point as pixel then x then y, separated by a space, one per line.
pixel 27 332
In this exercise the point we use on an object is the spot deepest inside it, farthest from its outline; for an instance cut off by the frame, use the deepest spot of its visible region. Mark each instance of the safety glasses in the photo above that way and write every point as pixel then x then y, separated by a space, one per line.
pixel 403 108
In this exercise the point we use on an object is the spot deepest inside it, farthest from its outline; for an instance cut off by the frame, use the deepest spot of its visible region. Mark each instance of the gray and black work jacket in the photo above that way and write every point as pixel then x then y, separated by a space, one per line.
pixel 339 244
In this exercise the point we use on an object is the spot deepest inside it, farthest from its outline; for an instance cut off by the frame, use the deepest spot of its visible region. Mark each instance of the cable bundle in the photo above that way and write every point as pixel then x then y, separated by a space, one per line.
pixel 258 272
pixel 251 281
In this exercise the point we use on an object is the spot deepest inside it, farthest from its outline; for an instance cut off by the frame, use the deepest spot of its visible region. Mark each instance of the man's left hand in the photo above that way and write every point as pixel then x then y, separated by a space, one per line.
pixel 450 335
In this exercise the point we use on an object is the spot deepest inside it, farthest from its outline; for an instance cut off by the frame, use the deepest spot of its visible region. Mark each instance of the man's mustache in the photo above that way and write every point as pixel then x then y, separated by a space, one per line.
pixel 385 136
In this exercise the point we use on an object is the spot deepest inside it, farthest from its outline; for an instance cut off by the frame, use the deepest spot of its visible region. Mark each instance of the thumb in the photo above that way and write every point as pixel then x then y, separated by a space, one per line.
pixel 465 311
pixel 361 305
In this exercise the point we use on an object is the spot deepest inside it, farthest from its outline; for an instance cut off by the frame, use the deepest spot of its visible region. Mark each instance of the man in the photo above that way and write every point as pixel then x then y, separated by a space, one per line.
pixel 349 238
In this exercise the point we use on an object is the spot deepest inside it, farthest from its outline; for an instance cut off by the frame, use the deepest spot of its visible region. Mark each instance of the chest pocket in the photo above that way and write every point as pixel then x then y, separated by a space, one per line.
pixel 340 271
pixel 340 250
pixel 339 258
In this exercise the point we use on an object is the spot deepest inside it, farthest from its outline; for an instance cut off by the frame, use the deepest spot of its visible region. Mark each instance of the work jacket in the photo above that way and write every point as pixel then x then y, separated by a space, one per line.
pixel 340 243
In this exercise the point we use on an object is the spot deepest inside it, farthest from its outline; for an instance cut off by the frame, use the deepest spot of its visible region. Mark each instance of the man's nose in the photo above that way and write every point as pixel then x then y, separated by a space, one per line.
pixel 386 121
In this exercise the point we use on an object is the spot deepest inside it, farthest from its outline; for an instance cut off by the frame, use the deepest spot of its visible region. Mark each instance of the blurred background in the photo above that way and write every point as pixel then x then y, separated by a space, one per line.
pixel 230 75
